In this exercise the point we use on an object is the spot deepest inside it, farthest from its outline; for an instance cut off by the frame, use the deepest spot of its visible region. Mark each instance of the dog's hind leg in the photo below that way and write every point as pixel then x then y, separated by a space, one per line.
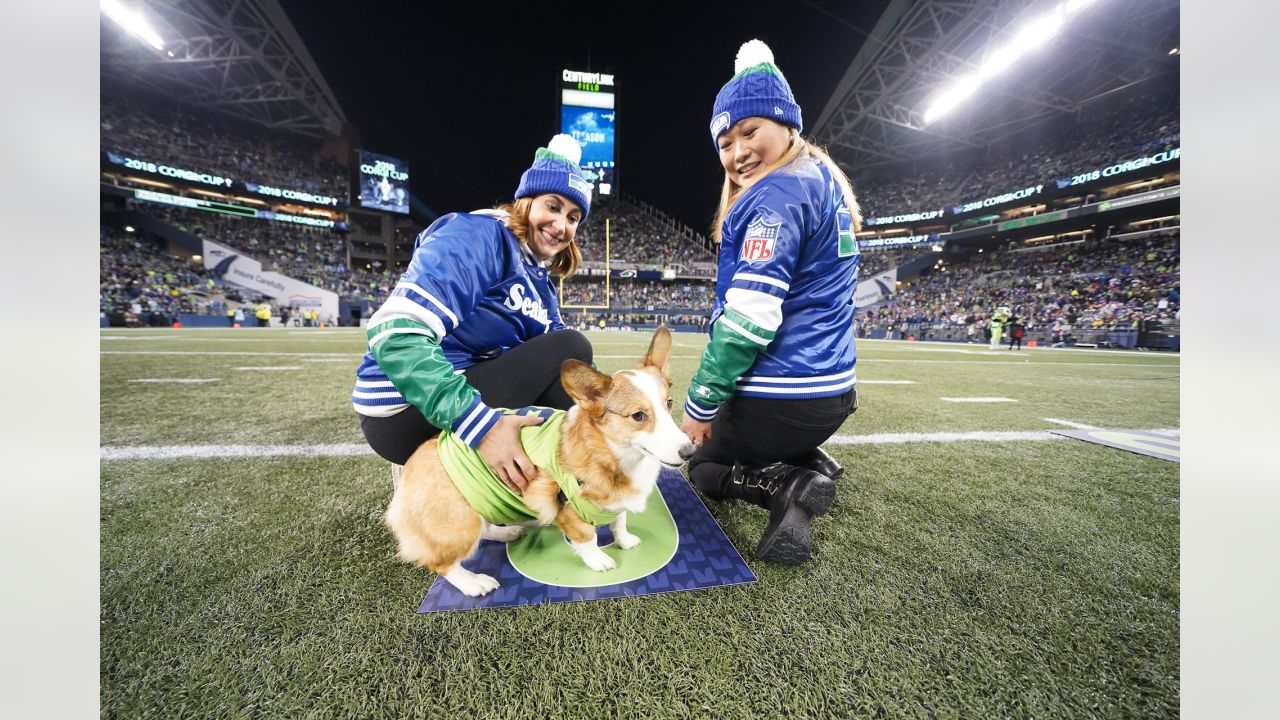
pixel 469 583
pixel 501 533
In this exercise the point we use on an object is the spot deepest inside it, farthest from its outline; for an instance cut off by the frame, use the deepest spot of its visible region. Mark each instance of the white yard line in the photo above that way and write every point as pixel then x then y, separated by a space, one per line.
pixel 977 399
pixel 352 359
pixel 1068 423
pixel 165 452
pixel 270 367
pixel 175 380
pixel 356 356
pixel 1022 363
pixel 353 356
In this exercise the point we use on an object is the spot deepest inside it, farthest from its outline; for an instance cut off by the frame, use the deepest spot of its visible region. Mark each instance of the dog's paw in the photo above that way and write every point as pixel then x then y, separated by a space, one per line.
pixel 502 533
pixel 626 541
pixel 598 561
pixel 471 584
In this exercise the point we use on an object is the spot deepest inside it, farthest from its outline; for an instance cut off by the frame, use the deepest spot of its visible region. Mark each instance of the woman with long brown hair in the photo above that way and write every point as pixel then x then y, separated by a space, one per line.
pixel 474 323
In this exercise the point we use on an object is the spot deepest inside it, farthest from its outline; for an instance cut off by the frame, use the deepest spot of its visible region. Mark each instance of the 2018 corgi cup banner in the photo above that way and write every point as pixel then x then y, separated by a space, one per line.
pixel 683 548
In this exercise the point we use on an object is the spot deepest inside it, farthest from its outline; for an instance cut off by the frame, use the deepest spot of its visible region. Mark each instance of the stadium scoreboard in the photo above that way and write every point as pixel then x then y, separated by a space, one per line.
pixel 384 183
pixel 588 114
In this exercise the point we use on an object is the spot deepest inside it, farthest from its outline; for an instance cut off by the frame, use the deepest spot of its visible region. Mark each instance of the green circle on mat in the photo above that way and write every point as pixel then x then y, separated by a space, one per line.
pixel 543 554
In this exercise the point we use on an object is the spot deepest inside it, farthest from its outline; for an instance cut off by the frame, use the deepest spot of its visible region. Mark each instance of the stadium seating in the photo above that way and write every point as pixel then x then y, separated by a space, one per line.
pixel 1086 288
pixel 175 136
pixel 639 234
pixel 1132 128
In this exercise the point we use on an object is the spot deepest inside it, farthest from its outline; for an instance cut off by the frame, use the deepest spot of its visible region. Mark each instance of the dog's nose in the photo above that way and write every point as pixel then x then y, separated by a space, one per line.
pixel 687 451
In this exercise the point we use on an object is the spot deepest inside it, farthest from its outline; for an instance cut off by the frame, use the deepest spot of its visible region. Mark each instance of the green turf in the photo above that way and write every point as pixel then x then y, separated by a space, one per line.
pixel 962 579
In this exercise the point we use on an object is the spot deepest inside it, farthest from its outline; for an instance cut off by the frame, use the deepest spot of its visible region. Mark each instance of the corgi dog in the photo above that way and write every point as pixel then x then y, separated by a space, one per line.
pixel 614 442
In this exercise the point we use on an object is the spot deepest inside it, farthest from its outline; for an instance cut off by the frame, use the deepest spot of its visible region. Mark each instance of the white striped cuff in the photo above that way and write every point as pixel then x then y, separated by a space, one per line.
pixel 475 422
pixel 699 412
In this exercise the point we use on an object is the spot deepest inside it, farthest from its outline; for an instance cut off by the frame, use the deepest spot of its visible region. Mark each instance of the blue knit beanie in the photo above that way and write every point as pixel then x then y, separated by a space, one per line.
pixel 555 170
pixel 757 90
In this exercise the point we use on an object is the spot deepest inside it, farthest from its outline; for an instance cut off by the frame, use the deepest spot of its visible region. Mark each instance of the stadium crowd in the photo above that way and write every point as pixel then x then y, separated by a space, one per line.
pixel 1099 284
pixel 174 136
pixel 641 295
pixel 639 234
pixel 143 286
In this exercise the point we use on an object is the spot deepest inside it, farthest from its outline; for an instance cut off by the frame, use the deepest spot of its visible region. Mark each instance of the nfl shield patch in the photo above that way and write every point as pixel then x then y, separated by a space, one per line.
pixel 760 241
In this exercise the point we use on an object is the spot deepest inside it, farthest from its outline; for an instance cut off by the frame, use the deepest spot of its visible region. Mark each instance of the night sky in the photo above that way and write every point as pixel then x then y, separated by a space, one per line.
pixel 466 91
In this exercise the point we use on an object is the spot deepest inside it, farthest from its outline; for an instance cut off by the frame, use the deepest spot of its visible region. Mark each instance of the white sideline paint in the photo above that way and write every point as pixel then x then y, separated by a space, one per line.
pixel 227 352
pixel 175 380
pixel 1068 423
pixel 886 382
pixel 977 399
pixel 167 452
pixel 164 452
pixel 271 367
pixel 863 361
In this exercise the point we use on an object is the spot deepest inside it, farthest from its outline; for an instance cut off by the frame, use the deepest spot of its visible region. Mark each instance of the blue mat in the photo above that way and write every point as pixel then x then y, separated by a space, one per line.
pixel 703 558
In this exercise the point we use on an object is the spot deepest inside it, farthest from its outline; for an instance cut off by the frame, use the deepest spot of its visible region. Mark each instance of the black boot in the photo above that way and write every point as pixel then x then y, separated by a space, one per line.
pixel 818 461
pixel 793 496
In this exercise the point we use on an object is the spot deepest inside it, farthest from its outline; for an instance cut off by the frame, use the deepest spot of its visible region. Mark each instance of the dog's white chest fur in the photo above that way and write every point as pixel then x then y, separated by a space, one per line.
pixel 642 470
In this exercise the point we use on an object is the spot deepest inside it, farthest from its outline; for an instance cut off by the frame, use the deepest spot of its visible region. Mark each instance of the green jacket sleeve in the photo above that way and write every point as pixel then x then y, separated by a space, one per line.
pixel 409 353
pixel 735 344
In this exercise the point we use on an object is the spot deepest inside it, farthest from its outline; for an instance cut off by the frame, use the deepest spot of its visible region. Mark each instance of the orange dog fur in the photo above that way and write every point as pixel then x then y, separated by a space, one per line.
pixel 616 439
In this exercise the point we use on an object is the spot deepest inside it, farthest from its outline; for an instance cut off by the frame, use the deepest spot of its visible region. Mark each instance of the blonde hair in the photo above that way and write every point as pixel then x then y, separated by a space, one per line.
pixel 799 149
pixel 565 263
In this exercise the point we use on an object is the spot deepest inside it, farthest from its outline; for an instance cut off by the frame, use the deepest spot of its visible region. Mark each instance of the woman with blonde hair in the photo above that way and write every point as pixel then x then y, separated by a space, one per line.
pixel 777 378
pixel 474 323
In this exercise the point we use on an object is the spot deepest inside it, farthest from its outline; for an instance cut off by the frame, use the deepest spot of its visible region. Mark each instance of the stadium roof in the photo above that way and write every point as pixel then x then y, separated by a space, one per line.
pixel 241 58
pixel 918 47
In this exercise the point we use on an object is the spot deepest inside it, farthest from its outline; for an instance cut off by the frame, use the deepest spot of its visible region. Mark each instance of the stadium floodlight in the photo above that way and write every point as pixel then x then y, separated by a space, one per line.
pixel 133 22
pixel 1032 35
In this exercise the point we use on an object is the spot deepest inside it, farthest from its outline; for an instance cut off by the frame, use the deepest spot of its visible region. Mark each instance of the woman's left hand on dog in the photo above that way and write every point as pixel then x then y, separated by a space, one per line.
pixel 501 451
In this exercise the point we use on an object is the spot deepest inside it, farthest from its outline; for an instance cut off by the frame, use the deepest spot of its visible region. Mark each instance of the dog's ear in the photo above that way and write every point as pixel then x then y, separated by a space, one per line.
pixel 586 385
pixel 659 352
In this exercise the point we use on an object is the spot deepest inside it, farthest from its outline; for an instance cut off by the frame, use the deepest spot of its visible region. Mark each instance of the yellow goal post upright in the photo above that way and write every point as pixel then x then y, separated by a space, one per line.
pixel 607 304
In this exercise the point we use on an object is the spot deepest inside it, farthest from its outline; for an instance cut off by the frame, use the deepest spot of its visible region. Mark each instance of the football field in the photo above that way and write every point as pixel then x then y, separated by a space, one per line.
pixel 974 565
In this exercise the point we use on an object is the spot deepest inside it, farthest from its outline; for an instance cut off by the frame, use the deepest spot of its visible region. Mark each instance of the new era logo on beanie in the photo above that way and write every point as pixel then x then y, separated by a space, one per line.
pixel 555 170
pixel 757 90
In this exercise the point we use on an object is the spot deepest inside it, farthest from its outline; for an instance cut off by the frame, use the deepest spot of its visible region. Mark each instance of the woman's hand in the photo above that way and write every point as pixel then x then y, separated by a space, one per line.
pixel 501 450
pixel 696 431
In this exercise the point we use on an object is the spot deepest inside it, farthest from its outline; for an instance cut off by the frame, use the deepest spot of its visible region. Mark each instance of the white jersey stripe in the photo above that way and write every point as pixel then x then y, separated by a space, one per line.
pixel 418 289
pixel 795 380
pixel 760 308
pixel 771 390
pixel 752 277
pixel 743 331
pixel 400 307
pixel 396 331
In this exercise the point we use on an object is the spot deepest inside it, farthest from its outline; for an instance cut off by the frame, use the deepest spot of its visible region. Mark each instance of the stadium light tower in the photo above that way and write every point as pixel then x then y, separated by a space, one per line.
pixel 133 22
pixel 1032 35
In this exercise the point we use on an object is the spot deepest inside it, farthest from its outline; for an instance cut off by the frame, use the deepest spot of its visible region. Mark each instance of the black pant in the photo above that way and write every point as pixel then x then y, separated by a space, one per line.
pixel 528 374
pixel 759 431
